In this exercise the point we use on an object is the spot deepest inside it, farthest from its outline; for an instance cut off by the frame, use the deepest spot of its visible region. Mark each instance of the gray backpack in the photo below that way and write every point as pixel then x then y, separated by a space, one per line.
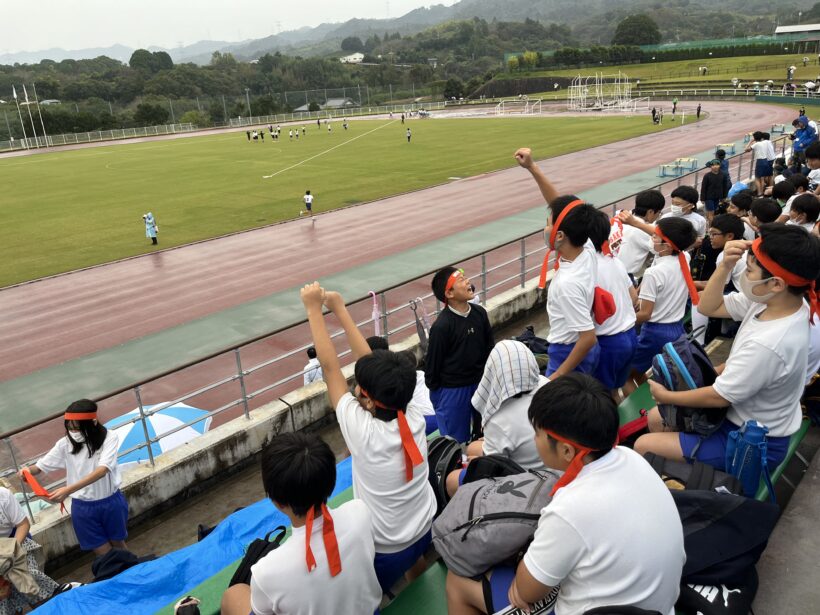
pixel 491 521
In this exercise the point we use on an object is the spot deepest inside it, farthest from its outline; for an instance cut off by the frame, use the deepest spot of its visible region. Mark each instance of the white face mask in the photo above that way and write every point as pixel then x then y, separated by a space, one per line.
pixel 747 287
pixel 76 435
pixel 677 210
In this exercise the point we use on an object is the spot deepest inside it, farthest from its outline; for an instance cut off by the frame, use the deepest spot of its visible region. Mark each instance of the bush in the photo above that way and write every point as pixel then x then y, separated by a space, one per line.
pixel 197 118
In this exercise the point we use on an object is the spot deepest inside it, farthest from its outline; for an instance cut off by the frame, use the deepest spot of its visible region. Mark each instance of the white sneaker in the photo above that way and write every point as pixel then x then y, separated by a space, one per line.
pixel 300 213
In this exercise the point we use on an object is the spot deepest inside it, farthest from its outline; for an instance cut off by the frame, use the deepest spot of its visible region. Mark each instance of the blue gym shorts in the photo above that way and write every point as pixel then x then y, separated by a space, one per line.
pixel 558 353
pixel 651 341
pixel 711 204
pixel 497 588
pixel 615 360
pixel 97 522
pixel 391 566
pixel 454 411
pixel 712 450
pixel 431 424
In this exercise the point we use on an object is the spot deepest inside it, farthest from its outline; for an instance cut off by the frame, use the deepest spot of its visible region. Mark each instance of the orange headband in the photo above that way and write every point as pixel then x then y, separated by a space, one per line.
pixel 577 463
pixel 787 276
pixel 451 281
pixel 542 280
pixel 80 416
pixel 412 454
pixel 334 561
pixel 684 267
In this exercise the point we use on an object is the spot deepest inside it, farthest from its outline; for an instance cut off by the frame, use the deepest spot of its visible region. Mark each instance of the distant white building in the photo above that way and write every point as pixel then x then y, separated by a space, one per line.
pixel 353 58
pixel 332 103
pixel 808 28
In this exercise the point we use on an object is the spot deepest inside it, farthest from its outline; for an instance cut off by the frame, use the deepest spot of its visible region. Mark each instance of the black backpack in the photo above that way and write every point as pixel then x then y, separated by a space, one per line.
pixel 698 476
pixel 258 549
pixel 717 599
pixel 443 456
pixel 491 466
pixel 538 345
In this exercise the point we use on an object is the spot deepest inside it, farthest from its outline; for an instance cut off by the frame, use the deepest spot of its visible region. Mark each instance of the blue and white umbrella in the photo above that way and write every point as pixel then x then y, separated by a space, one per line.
pixel 163 421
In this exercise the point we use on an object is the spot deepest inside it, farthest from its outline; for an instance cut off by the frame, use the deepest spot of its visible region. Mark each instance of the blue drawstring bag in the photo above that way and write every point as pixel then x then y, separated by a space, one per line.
pixel 746 457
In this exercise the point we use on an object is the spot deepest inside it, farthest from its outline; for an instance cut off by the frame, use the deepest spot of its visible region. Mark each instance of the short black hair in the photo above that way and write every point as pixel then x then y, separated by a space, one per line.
pixel 558 204
pixel 377 342
pixel 813 151
pixel 576 224
pixel 387 378
pixel 439 282
pixel 766 210
pixel 599 230
pixel 679 231
pixel 298 470
pixel 409 356
pixel 743 199
pixel 727 223
pixel 798 180
pixel 783 190
pixel 648 200
pixel 687 193
pixel 758 136
pixel 807 204
pixel 311 353
pixel 579 408
pixel 720 153
pixel 792 248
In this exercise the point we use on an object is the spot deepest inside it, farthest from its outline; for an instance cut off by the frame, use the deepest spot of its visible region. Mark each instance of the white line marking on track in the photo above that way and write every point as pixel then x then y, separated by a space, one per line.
pixel 293 166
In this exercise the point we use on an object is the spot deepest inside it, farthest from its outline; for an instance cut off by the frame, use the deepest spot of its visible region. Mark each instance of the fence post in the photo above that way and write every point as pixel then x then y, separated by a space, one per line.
pixel 144 425
pixel 22 486
pixel 739 163
pixel 241 375
pixel 697 172
pixel 523 261
pixel 484 278
pixel 385 330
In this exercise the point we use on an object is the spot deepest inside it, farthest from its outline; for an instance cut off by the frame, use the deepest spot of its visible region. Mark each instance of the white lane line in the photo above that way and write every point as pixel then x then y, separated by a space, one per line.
pixel 327 151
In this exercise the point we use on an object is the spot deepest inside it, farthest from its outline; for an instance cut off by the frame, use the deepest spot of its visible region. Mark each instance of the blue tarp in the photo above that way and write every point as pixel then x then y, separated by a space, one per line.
pixel 148 587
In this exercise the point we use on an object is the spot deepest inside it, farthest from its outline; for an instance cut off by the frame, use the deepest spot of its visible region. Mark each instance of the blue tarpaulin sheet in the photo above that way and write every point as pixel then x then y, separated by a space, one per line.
pixel 150 586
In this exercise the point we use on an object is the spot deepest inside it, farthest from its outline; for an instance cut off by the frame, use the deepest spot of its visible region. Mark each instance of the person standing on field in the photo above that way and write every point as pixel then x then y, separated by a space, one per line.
pixel 409 134
pixel 151 227
pixel 308 198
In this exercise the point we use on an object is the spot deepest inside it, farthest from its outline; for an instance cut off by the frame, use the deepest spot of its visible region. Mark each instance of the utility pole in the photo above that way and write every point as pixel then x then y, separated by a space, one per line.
pixel 173 117
pixel 248 100
pixel 224 109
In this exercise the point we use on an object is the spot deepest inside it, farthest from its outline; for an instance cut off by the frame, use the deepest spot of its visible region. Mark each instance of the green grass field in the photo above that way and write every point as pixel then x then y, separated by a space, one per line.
pixel 72 209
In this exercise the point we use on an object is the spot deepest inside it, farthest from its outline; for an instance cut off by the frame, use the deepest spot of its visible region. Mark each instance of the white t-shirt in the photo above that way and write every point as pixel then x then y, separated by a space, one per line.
pixel 402 511
pixel 760 151
pixel 508 431
pixel 81 465
pixel 421 396
pixel 635 247
pixel 11 513
pixel 806 226
pixel 695 219
pixel 738 270
pixel 312 372
pixel 770 155
pixel 663 283
pixel 308 199
pixel 788 206
pixel 813 363
pixel 814 178
pixel 598 561
pixel 766 368
pixel 612 276
pixel 281 583
pixel 748 231
pixel 569 299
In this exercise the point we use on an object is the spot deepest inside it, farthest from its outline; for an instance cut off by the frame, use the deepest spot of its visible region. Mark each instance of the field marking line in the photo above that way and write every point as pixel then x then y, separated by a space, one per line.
pixel 293 166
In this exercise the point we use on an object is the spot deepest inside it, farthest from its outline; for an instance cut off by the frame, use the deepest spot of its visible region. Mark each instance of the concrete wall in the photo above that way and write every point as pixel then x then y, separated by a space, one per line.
pixel 232 446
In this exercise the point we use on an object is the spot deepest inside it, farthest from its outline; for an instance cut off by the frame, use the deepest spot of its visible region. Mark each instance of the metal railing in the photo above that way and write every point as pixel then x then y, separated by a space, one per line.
pixel 93 137
pixel 306 116
pixel 516 264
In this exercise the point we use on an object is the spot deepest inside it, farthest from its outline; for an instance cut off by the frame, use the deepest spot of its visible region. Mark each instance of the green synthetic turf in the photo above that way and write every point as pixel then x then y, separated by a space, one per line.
pixel 70 209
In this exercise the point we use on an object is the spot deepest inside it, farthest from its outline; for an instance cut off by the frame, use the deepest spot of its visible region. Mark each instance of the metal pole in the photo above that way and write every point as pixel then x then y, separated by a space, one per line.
pixel 224 108
pixel 248 100
pixel 385 330
pixel 173 117
pixel 144 425
pixel 242 383
pixel 22 486
pixel 40 113
pixel 8 127
pixel 523 261
pixel 739 162
pixel 697 172
pixel 198 108
pixel 31 119
pixel 484 277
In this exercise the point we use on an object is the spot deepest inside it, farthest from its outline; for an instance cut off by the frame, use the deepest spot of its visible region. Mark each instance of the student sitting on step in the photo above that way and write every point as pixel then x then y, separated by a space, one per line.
pixel 384 432
pixel 766 369
pixel 326 566
pixel 611 534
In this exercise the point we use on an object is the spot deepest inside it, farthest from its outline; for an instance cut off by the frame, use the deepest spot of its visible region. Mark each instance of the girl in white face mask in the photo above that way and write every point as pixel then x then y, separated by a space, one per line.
pixel 88 454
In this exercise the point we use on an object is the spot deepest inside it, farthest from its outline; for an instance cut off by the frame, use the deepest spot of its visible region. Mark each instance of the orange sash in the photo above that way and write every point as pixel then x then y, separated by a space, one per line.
pixel 334 560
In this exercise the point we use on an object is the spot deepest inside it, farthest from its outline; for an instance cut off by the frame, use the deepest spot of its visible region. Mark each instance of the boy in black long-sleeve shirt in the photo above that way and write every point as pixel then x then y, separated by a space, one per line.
pixel 460 342
pixel 714 188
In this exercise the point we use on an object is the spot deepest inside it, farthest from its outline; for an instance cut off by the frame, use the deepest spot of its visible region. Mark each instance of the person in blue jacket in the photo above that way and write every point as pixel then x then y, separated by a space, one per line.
pixel 150 227
pixel 803 136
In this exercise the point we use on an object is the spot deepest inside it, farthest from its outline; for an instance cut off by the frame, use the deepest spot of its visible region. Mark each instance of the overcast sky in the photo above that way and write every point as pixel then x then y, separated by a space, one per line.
pixel 79 24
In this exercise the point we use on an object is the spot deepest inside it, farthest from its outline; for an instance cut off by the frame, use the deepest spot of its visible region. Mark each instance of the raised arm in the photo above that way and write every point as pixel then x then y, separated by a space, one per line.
pixel 711 299
pixel 357 341
pixel 312 296
pixel 523 157
pixel 627 217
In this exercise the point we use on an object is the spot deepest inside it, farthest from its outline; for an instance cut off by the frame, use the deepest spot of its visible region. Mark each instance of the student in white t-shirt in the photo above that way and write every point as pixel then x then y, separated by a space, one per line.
pixel 15 524
pixel 766 369
pixel 385 434
pixel 510 380
pixel 740 205
pixel 308 199
pixel 684 201
pixel 326 566
pixel 663 295
pixel 88 454
pixel 762 156
pixel 784 193
pixel 312 370
pixel 636 244
pixel 804 212
pixel 611 534
pixel 616 335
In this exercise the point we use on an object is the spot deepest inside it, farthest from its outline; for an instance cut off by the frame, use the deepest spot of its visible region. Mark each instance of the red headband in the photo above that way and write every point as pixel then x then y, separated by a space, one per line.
pixel 577 463
pixel 787 276
pixel 334 561
pixel 80 416
pixel 451 281
pixel 412 454
pixel 684 267
pixel 542 281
